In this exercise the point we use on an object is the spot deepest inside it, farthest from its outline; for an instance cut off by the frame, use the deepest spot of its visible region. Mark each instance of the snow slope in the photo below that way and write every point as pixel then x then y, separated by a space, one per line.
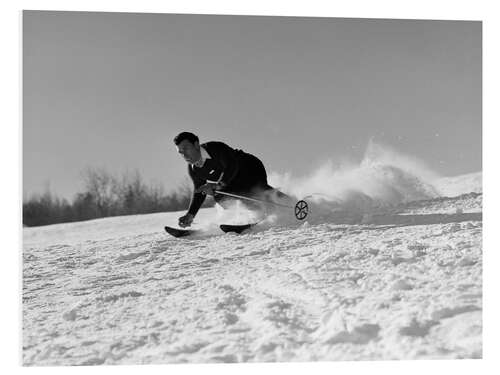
pixel 458 185
pixel 401 284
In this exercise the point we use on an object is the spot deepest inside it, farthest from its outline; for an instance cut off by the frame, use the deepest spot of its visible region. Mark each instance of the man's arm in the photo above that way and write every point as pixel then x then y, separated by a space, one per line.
pixel 197 199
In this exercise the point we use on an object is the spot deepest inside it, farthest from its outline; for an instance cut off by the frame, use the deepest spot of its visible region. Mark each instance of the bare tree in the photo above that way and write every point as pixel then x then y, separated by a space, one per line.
pixel 104 195
pixel 101 185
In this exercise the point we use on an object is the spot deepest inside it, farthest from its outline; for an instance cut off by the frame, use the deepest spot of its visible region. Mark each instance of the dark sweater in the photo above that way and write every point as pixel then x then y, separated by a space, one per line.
pixel 222 166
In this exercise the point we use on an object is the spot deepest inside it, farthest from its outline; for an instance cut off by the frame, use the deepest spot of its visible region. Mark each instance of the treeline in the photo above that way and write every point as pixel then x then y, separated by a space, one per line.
pixel 105 195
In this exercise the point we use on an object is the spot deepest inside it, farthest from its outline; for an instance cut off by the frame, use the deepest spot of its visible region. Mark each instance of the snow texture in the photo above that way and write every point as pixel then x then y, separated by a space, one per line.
pixel 387 265
pixel 404 284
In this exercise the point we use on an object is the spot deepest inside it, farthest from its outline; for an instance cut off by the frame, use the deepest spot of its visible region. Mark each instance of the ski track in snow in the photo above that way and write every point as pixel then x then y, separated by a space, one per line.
pixel 401 286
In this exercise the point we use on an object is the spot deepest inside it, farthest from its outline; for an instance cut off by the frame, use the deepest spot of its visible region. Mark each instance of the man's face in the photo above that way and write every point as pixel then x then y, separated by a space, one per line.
pixel 189 151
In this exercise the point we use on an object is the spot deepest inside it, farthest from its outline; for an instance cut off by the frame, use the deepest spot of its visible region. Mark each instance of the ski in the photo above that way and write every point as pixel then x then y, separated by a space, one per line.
pixel 176 232
pixel 235 228
pixel 227 228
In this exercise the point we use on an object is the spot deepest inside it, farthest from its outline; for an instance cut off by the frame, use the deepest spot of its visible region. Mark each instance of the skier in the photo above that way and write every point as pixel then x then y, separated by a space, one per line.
pixel 215 166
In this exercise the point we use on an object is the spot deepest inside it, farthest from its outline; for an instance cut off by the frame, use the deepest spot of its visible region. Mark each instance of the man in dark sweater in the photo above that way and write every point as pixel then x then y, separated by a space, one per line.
pixel 214 166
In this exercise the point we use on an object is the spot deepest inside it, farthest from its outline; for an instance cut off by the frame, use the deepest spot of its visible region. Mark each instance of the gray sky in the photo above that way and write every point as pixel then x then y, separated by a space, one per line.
pixel 112 89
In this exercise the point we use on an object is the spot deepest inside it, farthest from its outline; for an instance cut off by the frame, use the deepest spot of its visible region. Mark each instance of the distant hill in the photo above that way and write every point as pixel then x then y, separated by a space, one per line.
pixel 457 185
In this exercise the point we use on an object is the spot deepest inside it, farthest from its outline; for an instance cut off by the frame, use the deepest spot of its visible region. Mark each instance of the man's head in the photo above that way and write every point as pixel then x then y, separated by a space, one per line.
pixel 188 146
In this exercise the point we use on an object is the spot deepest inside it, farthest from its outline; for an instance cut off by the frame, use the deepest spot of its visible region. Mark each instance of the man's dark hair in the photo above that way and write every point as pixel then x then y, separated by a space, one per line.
pixel 185 135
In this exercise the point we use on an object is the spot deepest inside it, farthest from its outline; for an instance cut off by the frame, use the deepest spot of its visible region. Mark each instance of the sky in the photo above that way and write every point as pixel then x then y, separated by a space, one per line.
pixel 111 90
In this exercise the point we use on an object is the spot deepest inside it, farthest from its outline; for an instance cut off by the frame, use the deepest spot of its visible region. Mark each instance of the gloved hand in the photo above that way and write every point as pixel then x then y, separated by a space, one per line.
pixel 209 188
pixel 186 220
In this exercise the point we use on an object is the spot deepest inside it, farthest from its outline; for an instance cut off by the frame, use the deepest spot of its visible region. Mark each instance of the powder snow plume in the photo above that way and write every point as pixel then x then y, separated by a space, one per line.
pixel 383 179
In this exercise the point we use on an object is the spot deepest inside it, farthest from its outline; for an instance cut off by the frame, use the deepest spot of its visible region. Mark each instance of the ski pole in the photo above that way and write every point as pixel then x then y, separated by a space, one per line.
pixel 301 207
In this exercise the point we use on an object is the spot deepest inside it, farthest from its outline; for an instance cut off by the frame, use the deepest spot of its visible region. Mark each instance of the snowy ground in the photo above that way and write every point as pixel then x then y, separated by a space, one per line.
pixel 406 284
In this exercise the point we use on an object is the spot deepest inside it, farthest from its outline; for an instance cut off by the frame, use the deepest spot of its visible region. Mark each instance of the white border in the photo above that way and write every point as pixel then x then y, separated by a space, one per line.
pixel 10 147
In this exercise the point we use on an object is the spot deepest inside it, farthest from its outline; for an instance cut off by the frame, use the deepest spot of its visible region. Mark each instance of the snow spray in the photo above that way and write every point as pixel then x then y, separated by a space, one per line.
pixel 383 179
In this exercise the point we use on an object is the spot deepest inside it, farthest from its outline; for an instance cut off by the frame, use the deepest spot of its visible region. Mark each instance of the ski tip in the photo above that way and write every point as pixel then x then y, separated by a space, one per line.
pixel 176 232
